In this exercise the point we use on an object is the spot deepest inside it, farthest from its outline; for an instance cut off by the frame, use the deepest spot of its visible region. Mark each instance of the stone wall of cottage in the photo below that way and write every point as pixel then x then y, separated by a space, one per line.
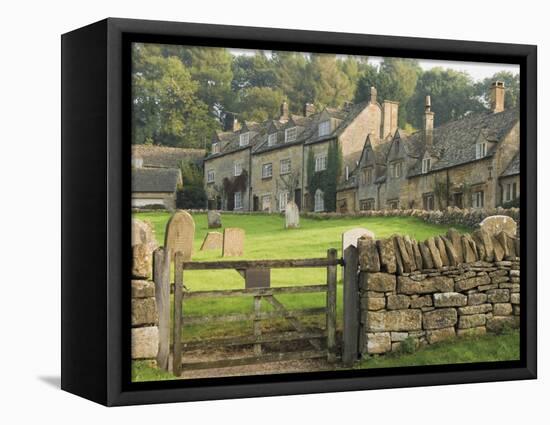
pixel 445 287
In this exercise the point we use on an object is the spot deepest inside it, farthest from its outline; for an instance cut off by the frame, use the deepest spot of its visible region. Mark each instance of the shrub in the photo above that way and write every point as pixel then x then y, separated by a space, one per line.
pixel 408 345
pixel 191 197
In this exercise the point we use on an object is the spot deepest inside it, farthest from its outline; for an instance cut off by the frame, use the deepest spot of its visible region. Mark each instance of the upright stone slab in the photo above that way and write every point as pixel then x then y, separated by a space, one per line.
pixel 233 242
pixel 387 255
pixel 212 240
pixel 214 219
pixel 144 233
pixel 499 223
pixel 180 232
pixel 292 215
pixel 350 237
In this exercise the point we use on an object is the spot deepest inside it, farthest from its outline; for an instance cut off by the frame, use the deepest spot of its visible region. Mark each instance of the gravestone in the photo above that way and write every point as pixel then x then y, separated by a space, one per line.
pixel 144 233
pixel 233 242
pixel 180 232
pixel 292 215
pixel 212 240
pixel 351 236
pixel 142 261
pixel 499 223
pixel 214 219
pixel 257 278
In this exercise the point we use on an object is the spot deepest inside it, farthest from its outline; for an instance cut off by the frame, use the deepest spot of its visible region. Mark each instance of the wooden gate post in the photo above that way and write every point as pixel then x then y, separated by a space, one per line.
pixel 351 306
pixel 178 313
pixel 332 271
pixel 161 277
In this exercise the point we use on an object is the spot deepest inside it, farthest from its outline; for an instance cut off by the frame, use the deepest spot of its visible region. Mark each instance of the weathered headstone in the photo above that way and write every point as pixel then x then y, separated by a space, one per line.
pixel 214 219
pixel 144 233
pixel 499 223
pixel 180 232
pixel 212 240
pixel 233 242
pixel 292 215
pixel 142 261
pixel 257 278
pixel 350 237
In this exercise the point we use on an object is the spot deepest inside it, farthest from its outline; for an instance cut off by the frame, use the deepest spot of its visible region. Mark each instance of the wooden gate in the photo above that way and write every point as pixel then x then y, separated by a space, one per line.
pixel 322 342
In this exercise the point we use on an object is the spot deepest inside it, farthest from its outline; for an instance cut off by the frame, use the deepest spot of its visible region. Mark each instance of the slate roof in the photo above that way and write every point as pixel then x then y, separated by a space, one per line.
pixel 454 142
pixel 155 179
pixel 512 169
pixel 307 130
pixel 164 156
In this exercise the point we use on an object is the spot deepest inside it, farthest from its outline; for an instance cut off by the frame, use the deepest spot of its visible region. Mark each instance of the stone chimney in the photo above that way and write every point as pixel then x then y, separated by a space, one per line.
pixel 284 112
pixel 428 122
pixel 230 122
pixel 390 112
pixel 309 109
pixel 497 96
pixel 373 94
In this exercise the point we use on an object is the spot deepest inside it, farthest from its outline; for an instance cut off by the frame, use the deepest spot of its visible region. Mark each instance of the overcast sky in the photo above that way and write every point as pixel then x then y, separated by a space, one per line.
pixel 477 70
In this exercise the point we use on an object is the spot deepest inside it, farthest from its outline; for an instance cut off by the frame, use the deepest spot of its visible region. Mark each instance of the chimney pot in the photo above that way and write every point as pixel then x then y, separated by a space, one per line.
pixel 428 122
pixel 284 112
pixel 497 96
pixel 373 94
pixel 309 109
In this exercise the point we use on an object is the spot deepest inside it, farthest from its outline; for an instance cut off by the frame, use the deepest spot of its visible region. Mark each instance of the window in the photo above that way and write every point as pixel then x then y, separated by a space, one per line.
pixel 478 199
pixel 210 176
pixel 319 201
pixel 428 201
pixel 457 200
pixel 238 168
pixel 272 139
pixel 290 134
pixel 367 176
pixel 238 197
pixel 215 148
pixel 396 170
pixel 320 162
pixel 267 171
pixel 244 139
pixel 510 192
pixel 285 166
pixel 426 165
pixel 266 203
pixel 283 200
pixel 366 204
pixel 481 150
pixel 393 204
pixel 324 128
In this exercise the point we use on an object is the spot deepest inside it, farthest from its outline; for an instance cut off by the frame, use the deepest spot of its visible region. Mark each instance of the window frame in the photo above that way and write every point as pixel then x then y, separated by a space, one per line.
pixel 239 165
pixel 481 150
pixel 321 159
pixel 282 206
pixel 240 205
pixel 208 173
pixel 215 147
pixel 476 198
pixel 281 162
pixel 267 165
pixel 269 139
pixel 321 128
pixel 426 165
pixel 294 130
pixel 243 136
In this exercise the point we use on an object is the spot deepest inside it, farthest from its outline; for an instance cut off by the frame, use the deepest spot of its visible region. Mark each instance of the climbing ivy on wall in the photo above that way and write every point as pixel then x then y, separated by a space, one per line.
pixel 325 180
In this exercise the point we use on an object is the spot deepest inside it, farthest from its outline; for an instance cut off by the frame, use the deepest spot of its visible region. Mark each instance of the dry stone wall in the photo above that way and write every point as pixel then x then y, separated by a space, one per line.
pixel 145 333
pixel 447 286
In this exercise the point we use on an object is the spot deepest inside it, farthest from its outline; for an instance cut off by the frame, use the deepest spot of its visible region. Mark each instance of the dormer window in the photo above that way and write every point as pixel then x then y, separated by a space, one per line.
pixel 481 150
pixel 290 134
pixel 215 148
pixel 324 128
pixel 426 165
pixel 244 138
pixel 272 139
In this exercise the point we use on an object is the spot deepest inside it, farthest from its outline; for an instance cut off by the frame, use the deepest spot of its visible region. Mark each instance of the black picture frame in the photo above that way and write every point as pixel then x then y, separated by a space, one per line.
pixel 96 210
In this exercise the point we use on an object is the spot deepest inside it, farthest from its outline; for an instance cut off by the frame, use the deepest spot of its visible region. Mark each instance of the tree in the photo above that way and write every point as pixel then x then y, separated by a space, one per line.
pixel 294 79
pixel 259 103
pixel 166 106
pixel 332 87
pixel 253 71
pixel 511 84
pixel 453 96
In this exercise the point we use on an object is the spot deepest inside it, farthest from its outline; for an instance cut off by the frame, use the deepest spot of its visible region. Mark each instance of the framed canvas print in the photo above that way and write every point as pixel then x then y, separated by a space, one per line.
pixel 252 212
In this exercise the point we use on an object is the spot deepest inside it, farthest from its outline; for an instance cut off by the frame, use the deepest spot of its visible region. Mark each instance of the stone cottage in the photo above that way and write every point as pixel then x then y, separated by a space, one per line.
pixel 275 153
pixel 468 163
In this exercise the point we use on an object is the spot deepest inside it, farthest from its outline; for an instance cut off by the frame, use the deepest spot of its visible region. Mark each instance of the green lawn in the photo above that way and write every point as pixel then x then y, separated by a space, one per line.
pixel 488 348
pixel 266 238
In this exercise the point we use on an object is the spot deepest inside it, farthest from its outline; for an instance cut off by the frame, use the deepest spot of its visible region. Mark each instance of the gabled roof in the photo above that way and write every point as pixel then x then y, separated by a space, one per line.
pixel 164 156
pixel 512 168
pixel 454 142
pixel 155 179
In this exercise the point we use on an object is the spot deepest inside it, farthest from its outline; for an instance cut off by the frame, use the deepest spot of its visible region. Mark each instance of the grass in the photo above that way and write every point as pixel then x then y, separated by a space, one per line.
pixel 487 348
pixel 266 238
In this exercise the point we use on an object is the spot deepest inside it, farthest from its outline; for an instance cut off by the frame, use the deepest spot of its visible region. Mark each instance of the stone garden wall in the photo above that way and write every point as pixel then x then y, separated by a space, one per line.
pixel 444 287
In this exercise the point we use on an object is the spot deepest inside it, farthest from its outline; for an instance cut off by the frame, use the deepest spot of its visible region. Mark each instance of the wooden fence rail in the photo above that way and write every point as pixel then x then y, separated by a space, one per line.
pixel 256 340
